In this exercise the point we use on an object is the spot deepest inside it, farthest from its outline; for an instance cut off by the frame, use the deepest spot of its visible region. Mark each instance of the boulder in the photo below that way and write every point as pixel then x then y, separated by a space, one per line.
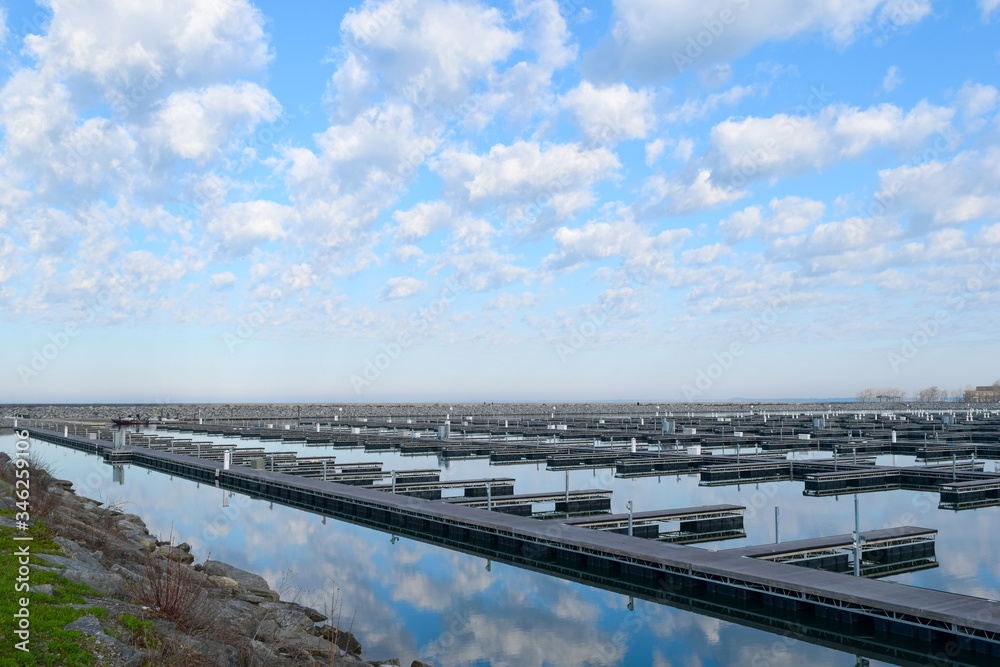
pixel 174 554
pixel 248 581
pixel 116 652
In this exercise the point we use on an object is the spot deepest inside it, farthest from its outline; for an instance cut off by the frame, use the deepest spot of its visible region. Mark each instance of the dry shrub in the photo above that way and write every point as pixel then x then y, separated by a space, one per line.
pixel 171 588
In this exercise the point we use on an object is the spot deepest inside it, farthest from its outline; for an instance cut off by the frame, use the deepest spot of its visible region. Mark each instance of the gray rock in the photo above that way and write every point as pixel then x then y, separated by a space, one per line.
pixel 44 589
pixel 393 662
pixel 175 554
pixel 88 625
pixel 87 564
pixel 287 616
pixel 248 581
pixel 236 613
pixel 7 523
pixel 307 642
pixel 91 627
pixel 104 583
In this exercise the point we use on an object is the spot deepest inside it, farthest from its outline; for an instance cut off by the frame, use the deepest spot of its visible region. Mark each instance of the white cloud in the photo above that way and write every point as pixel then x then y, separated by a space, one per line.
pixel 223 281
pixel 621 236
pixel 123 45
pixel 705 254
pixel 241 226
pixel 790 145
pixel 686 195
pixel 789 215
pixel 525 168
pixel 976 101
pixel 534 184
pixel 946 193
pixel 199 125
pixel 989 235
pixel 693 109
pixel 422 219
pixel 892 79
pixel 3 26
pixel 401 287
pixel 430 52
pixel 611 113
pixel 988 7
pixel 656 40
pixel 653 151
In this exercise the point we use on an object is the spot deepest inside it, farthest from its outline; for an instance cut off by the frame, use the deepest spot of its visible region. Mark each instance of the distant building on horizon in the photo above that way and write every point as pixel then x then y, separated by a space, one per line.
pixel 988 394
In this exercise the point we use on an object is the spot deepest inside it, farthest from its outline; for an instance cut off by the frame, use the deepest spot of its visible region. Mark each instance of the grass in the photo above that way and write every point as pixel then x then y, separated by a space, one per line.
pixel 49 643
pixel 143 632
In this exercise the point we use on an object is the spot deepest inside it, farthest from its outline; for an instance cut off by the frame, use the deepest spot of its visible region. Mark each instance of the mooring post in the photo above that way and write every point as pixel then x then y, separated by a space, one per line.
pixel 489 496
pixel 777 515
pixel 629 517
pixel 954 467
pixel 394 481
pixel 324 470
pixel 857 537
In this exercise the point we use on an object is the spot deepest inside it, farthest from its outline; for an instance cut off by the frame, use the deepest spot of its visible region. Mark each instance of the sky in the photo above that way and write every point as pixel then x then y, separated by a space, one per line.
pixel 448 200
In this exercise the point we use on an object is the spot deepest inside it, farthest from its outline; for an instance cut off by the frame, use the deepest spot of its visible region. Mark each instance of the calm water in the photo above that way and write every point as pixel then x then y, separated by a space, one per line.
pixel 420 601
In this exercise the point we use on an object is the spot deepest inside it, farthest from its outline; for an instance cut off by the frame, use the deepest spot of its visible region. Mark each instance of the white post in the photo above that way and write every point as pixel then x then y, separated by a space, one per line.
pixel 630 518
pixel 394 481
pixel 633 445
pixel 227 457
pixel 489 496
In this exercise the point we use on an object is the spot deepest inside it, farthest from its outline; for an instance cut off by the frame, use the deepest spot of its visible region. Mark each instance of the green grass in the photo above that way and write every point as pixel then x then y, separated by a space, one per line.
pixel 49 644
pixel 143 632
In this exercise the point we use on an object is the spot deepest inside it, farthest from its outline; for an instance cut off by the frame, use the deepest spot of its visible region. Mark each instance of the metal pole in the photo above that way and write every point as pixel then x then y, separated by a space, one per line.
pixel 394 481
pixel 630 518
pixel 857 537
pixel 777 523
pixel 489 496
pixel 954 467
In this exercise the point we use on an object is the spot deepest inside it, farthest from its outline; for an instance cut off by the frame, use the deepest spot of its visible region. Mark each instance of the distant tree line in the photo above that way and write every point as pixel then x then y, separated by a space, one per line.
pixel 928 395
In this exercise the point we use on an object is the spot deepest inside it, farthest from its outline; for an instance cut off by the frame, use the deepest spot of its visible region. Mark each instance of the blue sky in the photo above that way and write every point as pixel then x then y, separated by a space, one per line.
pixel 453 200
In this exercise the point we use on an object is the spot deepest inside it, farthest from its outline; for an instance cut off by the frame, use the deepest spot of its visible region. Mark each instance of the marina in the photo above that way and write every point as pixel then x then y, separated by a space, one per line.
pixel 554 543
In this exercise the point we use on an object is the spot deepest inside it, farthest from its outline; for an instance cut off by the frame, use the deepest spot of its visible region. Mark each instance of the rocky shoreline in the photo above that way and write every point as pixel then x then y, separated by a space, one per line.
pixel 160 608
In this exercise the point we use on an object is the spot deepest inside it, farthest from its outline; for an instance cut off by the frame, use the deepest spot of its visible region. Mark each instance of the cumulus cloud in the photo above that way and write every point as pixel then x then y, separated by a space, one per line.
pixel 976 101
pixel 124 44
pixel 788 215
pixel 620 236
pixel 533 183
pixel 223 281
pixel 428 53
pixel 200 124
pixel 789 145
pixel 401 287
pixel 656 41
pixel 688 194
pixel 611 113
pixel 241 226
pixel 422 219
pixel 952 192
